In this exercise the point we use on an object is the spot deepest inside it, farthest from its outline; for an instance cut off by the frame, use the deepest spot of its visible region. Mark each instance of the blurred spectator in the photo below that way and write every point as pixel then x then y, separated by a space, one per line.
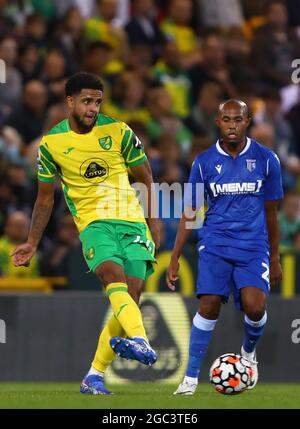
pixel 264 133
pixel 170 155
pixel 96 60
pixel 28 119
pixel 47 8
pixel 202 120
pixel 213 67
pixel 163 120
pixel 275 46
pixel 55 261
pixel 296 243
pixel 177 27
pixel 238 57
pixel 289 220
pixel 10 146
pixel 142 28
pixel 105 28
pixel 55 114
pixel 140 61
pixel 6 23
pixel 28 64
pixel 7 199
pixel 284 143
pixel 15 232
pixel 11 90
pixel 20 185
pixel 53 75
pixel 35 30
pixel 293 118
pixel 293 8
pixel 220 13
pixel 127 102
pixel 18 10
pixel 69 39
pixel 170 73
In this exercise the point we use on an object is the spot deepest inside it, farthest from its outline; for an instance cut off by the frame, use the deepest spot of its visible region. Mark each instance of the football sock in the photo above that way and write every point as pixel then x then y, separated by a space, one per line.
pixel 93 371
pixel 253 332
pixel 200 337
pixel 126 310
pixel 104 354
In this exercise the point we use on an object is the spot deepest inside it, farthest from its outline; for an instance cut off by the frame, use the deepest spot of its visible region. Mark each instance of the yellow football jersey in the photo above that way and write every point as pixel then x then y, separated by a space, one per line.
pixel 93 168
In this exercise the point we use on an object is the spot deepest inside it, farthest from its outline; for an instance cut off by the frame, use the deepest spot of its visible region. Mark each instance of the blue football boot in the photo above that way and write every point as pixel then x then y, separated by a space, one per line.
pixel 94 385
pixel 135 348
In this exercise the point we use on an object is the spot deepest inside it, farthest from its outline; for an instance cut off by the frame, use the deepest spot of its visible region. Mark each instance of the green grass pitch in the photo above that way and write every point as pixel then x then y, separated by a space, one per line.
pixel 145 396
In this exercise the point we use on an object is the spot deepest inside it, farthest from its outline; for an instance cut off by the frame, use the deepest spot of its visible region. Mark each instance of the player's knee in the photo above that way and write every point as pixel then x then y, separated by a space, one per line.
pixel 255 316
pixel 135 294
pixel 107 277
pixel 255 311
pixel 209 307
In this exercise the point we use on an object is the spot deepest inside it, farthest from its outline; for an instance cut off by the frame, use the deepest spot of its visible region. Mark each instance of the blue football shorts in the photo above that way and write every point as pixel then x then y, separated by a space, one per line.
pixel 224 269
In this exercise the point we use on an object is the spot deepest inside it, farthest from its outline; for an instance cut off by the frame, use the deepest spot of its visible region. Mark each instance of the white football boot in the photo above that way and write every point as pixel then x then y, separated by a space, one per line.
pixel 187 387
pixel 251 357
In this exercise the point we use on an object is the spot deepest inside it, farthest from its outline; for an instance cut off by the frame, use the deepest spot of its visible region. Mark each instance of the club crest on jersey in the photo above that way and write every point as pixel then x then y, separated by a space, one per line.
pixel 105 142
pixel 251 164
pixel 90 253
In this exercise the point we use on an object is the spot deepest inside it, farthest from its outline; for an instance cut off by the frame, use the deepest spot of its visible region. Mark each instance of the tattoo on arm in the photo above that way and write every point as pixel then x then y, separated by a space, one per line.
pixel 40 218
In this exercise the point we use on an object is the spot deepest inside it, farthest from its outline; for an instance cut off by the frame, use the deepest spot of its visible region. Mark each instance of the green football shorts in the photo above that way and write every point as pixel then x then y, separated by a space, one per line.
pixel 127 243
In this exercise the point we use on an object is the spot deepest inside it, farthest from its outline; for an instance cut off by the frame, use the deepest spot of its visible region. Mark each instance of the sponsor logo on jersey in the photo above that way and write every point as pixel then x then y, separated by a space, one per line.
pixel 250 164
pixel 105 142
pixel 236 188
pixel 94 170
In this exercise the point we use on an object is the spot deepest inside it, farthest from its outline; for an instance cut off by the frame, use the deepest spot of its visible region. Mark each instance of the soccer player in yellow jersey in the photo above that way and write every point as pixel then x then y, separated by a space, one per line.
pixel 92 153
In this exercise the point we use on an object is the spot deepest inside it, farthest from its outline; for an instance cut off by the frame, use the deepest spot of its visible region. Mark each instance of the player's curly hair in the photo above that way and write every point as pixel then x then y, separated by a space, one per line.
pixel 82 80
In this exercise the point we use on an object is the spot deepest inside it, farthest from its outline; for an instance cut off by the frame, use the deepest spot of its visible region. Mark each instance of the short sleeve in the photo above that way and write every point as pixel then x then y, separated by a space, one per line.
pixel 194 189
pixel 273 184
pixel 47 169
pixel 132 148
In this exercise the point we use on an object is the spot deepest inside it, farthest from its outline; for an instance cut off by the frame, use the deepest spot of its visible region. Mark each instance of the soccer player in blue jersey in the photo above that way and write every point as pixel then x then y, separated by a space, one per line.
pixel 238 242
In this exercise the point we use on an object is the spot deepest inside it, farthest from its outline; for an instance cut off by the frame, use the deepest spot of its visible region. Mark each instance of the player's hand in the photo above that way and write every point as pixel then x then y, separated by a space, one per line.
pixel 172 273
pixel 275 272
pixel 23 254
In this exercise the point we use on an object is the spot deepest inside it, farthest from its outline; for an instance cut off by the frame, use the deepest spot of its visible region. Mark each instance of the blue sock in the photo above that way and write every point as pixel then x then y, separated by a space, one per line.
pixel 253 332
pixel 201 334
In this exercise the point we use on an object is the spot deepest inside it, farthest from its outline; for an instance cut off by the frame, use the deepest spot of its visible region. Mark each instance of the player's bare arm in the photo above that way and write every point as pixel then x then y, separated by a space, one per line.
pixel 182 236
pixel 143 174
pixel 273 234
pixel 40 218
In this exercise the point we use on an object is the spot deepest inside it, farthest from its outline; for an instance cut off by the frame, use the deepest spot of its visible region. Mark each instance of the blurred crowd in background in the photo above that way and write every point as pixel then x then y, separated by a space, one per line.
pixel 166 66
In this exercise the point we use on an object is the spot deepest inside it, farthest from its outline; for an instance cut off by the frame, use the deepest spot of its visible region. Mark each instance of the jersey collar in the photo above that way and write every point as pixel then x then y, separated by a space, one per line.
pixel 220 150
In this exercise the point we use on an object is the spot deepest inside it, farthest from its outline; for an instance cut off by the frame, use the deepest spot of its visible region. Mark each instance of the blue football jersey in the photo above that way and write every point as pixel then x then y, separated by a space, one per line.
pixel 236 190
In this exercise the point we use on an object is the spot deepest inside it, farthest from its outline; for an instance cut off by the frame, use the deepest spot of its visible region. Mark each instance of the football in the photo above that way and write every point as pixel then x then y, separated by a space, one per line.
pixel 230 374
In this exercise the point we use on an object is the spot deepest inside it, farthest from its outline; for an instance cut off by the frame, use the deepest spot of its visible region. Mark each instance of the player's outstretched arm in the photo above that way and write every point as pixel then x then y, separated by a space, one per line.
pixel 143 174
pixel 40 218
pixel 273 234
pixel 182 236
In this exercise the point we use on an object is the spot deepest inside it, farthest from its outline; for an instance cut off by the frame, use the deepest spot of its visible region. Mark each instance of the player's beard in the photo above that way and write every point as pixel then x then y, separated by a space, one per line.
pixel 82 125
